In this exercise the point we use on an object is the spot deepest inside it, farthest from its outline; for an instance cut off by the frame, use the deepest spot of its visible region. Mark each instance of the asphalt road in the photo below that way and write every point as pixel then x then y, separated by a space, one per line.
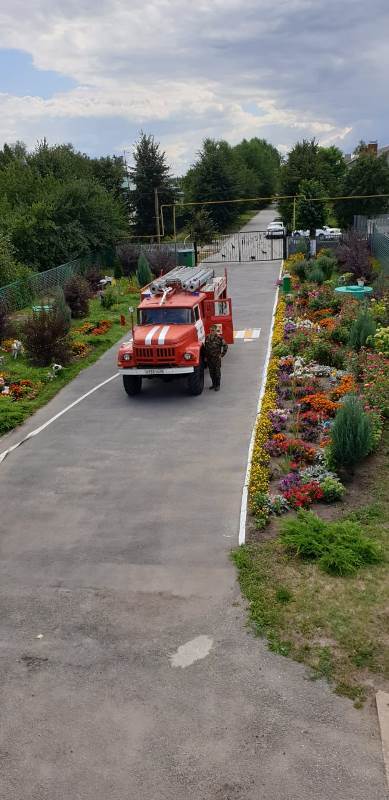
pixel 116 526
pixel 250 244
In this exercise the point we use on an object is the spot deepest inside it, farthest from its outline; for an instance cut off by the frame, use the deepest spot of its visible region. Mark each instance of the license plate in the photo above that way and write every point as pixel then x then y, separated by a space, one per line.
pixel 155 371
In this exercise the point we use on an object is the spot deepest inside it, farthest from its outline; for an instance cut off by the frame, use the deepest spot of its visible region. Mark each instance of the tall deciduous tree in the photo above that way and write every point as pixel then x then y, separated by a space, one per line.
pixel 331 169
pixel 301 164
pixel 311 213
pixel 367 175
pixel 150 171
pixel 212 177
pixel 308 161
pixel 57 204
pixel 262 161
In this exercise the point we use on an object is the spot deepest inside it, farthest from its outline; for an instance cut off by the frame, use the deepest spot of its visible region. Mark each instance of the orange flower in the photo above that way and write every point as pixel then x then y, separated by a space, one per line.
pixel 321 403
pixel 346 386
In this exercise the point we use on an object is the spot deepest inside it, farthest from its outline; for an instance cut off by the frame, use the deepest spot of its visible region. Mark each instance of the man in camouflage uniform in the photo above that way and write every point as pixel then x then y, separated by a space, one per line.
pixel 215 349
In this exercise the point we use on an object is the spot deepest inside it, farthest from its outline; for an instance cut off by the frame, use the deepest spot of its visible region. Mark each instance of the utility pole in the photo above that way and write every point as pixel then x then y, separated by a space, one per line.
pixel 156 202
pixel 294 215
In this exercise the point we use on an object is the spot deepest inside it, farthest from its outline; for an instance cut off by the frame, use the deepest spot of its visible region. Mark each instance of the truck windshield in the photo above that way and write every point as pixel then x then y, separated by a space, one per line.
pixel 165 316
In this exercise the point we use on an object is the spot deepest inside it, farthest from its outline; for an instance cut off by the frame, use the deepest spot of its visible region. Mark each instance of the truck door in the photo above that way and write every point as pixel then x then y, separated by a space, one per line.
pixel 219 312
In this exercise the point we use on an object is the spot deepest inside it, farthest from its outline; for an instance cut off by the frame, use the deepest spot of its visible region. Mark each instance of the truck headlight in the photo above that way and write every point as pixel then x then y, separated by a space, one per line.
pixel 188 356
pixel 127 357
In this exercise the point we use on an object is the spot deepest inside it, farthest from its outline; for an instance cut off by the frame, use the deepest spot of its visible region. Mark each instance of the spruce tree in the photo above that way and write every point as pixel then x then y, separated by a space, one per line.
pixel 150 171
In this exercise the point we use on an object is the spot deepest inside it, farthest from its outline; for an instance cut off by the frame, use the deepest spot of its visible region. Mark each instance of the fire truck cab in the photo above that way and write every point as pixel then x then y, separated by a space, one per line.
pixel 173 318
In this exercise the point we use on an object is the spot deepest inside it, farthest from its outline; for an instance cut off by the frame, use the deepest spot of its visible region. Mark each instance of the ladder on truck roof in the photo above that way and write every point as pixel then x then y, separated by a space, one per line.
pixel 190 279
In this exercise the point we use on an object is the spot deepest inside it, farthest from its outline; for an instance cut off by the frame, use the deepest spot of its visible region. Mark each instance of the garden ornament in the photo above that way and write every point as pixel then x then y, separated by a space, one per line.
pixel 16 348
pixel 55 369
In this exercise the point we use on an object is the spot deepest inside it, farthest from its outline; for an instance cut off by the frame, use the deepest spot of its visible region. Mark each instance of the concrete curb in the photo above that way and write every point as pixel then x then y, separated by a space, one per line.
pixel 243 505
pixel 382 701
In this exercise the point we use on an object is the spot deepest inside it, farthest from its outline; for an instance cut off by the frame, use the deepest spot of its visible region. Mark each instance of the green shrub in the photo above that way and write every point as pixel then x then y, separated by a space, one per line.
pixel 3 322
pixel 339 547
pixel 259 502
pixel 316 274
pixel 327 265
pixel 380 340
pixel 118 269
pixel 45 335
pixel 333 490
pixel 377 427
pixel 379 310
pixel 297 343
pixel 143 273
pixel 93 278
pixel 61 305
pixel 351 433
pixel 281 350
pixel 261 520
pixel 108 298
pixel 300 269
pixel 324 352
pixel 363 327
pixel 77 294
pixel 340 334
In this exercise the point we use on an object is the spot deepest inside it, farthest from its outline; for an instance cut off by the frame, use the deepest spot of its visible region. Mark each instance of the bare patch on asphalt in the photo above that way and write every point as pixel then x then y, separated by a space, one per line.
pixel 192 651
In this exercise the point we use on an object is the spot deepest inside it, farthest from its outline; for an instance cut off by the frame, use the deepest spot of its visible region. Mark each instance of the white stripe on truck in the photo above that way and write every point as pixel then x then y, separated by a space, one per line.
pixel 151 334
pixel 162 335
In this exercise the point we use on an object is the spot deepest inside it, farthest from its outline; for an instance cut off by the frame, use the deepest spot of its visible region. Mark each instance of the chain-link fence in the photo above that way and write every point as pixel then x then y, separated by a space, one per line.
pixel 21 293
pixel 376 231
pixel 379 244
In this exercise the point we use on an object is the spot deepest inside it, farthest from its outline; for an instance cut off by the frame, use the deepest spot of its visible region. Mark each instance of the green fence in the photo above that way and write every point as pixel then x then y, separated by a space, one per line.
pixel 379 243
pixel 21 293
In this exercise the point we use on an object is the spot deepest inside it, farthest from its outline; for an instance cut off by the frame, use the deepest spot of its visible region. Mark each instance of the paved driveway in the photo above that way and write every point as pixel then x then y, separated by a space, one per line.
pixel 116 525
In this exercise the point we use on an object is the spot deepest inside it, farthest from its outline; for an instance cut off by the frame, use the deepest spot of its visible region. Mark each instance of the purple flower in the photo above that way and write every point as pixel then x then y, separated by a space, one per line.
pixel 289 328
pixel 290 480
pixel 283 376
pixel 278 421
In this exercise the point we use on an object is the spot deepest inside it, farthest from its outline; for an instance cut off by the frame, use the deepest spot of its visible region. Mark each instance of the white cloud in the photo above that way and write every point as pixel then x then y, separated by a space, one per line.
pixel 186 70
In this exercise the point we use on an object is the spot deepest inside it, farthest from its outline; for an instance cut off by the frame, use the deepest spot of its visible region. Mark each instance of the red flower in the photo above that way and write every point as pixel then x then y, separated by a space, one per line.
pixel 303 495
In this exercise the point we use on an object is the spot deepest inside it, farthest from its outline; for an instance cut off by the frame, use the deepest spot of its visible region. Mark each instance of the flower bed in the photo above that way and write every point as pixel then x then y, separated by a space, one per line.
pixel 292 466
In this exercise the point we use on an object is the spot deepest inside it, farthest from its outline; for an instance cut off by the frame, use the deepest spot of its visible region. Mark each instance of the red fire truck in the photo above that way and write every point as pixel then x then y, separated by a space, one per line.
pixel 174 316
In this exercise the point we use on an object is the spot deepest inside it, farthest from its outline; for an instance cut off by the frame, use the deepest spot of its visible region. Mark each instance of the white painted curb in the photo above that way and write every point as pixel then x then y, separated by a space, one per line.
pixel 243 505
pixel 382 701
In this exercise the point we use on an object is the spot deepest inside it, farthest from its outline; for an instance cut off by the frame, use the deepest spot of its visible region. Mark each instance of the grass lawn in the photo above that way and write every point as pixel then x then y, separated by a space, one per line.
pixel 337 626
pixel 12 413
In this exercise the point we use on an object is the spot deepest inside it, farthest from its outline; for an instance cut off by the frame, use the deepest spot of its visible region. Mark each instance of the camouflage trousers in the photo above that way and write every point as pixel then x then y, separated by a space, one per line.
pixel 215 371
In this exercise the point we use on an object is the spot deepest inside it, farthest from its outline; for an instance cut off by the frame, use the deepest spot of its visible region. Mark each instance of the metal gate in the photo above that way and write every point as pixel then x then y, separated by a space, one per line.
pixel 243 246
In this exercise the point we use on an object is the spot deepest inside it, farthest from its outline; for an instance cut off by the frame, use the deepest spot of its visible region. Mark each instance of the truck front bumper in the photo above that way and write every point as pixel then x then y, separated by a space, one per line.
pixel 156 370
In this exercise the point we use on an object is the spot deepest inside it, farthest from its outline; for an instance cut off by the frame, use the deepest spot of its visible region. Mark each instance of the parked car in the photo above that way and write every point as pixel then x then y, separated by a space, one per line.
pixel 275 230
pixel 321 233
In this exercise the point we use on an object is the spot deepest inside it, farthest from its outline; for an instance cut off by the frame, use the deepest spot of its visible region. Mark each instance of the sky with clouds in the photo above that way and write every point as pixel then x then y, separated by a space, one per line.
pixel 94 72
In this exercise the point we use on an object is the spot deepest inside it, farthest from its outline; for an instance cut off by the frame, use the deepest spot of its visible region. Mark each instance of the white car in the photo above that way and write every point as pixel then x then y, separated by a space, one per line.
pixel 275 230
pixel 321 233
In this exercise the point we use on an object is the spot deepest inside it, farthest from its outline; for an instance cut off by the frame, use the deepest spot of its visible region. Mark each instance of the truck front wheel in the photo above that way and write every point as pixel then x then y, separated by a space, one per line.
pixel 196 380
pixel 132 384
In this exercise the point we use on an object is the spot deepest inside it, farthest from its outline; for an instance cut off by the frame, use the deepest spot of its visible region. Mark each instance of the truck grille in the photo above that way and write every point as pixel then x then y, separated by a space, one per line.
pixel 165 352
pixel 154 354
pixel 143 352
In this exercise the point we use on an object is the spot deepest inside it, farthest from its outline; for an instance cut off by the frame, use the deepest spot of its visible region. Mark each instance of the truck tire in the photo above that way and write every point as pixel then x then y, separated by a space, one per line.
pixel 196 380
pixel 132 384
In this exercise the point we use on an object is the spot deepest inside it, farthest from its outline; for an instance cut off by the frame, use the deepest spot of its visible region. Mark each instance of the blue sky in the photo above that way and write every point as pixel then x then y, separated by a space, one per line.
pixel 95 73
pixel 19 77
